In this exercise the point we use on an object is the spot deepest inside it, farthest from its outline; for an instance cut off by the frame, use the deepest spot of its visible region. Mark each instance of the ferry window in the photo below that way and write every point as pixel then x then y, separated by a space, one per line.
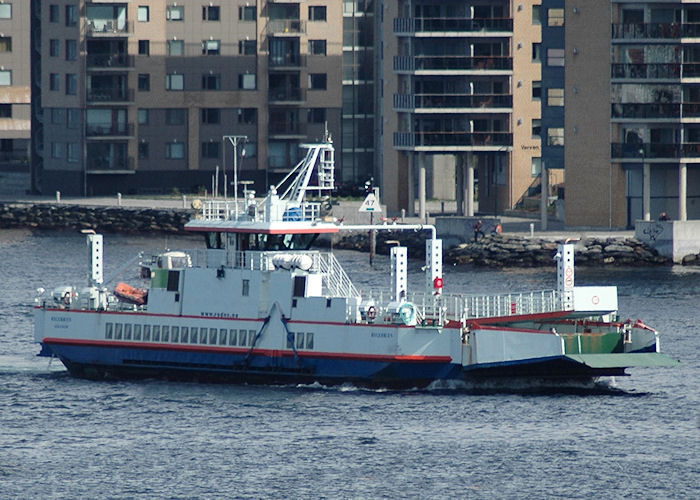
pixel 147 333
pixel 137 332
pixel 127 332
pixel 203 336
pixel 222 336
pixel 300 340
pixel 109 330
pixel 173 281
pixel 290 339
pixel 183 335
pixel 233 337
pixel 299 286
pixel 193 334
pixel 213 240
pixel 242 337
pixel 156 333
pixel 251 337
pixel 212 336
pixel 166 334
pixel 175 331
pixel 118 331
pixel 245 289
pixel 309 340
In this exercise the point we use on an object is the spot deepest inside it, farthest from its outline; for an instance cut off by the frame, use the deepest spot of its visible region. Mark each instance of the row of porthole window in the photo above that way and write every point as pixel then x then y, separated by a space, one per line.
pixel 195 335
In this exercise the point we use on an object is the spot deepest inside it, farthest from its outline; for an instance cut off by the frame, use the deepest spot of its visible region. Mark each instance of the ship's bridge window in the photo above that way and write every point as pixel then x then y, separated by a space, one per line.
pixel 214 240
pixel 276 241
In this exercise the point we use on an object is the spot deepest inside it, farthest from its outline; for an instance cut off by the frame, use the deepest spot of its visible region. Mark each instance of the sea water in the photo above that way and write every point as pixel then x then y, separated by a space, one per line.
pixel 627 437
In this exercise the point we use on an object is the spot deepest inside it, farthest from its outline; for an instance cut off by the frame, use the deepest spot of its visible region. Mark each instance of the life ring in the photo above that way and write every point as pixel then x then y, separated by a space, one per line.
pixel 371 312
pixel 407 313
pixel 66 298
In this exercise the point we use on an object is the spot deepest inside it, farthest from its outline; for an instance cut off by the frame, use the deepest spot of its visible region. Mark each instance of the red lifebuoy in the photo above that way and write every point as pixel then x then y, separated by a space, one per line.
pixel 438 283
pixel 371 312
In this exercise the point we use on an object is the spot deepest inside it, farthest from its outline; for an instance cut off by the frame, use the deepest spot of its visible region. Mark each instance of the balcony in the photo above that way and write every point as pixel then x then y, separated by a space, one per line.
pixel 286 27
pixel 643 152
pixel 496 141
pixel 104 130
pixel 286 128
pixel 690 30
pixel 281 61
pixel 690 109
pixel 109 95
pixel 286 95
pixel 642 111
pixel 452 63
pixel 645 31
pixel 97 164
pixel 409 26
pixel 485 102
pixel 107 27
pixel 109 61
pixel 642 71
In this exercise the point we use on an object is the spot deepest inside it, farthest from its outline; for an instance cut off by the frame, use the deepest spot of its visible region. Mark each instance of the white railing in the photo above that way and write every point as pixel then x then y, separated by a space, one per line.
pixel 337 282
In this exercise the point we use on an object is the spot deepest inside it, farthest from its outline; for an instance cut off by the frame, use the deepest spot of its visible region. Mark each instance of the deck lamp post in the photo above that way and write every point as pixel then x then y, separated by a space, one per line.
pixel 646 184
pixel 234 140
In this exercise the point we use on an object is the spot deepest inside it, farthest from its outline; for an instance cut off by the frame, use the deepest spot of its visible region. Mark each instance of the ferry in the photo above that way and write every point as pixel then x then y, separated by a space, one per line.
pixel 262 305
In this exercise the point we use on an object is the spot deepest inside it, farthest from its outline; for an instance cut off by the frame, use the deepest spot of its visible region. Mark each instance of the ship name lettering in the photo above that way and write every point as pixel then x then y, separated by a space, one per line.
pixel 59 318
pixel 218 315
pixel 381 335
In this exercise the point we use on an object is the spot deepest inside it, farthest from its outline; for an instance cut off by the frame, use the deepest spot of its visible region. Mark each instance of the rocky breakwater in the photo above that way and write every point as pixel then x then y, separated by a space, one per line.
pixel 507 251
pixel 100 219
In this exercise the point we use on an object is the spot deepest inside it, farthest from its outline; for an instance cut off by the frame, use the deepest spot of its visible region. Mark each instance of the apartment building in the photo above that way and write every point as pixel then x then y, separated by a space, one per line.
pixel 464 107
pixel 632 111
pixel 139 96
pixel 15 95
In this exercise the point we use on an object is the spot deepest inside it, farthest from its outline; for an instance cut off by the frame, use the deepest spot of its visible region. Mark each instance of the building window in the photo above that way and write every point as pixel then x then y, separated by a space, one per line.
pixel 536 52
pixel 5 110
pixel 73 117
pixel 144 47
pixel 316 115
pixel 247 81
pixel 317 81
pixel 57 116
pixel 175 116
pixel 317 47
pixel 247 13
pixel 211 82
pixel 176 47
pixel 175 13
pixel 5 77
pixel 536 128
pixel 5 44
pixel 536 90
pixel 143 151
pixel 555 97
pixel 71 15
pixel 536 14
pixel 73 152
pixel 248 116
pixel 210 13
pixel 71 50
pixel 210 150
pixel 247 47
pixel 57 150
pixel 71 84
pixel 175 82
pixel 175 150
pixel 144 14
pixel 555 57
pixel 211 116
pixel 536 169
pixel 211 47
pixel 317 13
pixel 143 116
pixel 54 47
pixel 6 11
pixel 555 17
pixel 144 82
pixel 54 13
pixel 555 136
pixel 54 81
